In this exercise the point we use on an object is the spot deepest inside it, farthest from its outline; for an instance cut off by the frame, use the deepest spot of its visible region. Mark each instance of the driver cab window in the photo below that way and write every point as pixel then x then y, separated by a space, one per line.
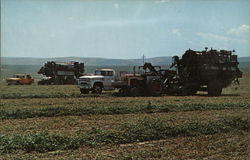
pixel 110 73
pixel 103 73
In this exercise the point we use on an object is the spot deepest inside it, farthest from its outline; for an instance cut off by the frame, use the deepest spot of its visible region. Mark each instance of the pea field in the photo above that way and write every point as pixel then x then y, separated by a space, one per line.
pixel 57 122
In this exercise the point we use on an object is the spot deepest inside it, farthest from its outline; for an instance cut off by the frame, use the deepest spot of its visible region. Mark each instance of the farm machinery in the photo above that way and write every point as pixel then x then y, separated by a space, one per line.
pixel 59 73
pixel 207 70
pixel 148 82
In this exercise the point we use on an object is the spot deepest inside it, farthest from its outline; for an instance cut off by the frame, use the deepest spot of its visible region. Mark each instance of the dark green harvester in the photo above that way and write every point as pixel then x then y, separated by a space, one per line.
pixel 60 73
pixel 207 70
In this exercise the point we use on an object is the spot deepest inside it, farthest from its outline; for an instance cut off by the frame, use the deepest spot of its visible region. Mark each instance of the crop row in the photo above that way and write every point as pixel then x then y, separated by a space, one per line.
pixel 79 111
pixel 45 95
pixel 144 130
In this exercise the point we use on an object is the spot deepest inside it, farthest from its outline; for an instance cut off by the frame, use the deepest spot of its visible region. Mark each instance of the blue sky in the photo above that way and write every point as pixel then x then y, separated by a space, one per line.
pixel 122 29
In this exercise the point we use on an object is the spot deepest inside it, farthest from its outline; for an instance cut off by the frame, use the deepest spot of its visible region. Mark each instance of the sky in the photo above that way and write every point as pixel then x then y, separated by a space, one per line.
pixel 122 29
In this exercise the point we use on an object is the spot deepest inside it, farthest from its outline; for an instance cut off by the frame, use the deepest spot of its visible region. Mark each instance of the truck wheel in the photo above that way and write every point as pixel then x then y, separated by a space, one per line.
pixel 156 87
pixel 84 91
pixel 18 83
pixel 214 88
pixel 97 89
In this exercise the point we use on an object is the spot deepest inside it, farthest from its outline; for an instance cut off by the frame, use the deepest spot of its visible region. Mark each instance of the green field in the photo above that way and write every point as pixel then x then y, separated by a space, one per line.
pixel 49 122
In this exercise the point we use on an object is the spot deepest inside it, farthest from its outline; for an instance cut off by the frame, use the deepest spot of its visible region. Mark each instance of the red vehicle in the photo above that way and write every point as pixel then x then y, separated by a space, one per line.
pixel 20 79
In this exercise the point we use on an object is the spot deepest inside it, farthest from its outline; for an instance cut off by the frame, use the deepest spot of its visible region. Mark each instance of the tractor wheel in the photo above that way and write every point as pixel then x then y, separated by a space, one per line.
pixel 29 83
pixel 214 88
pixel 135 91
pixel 84 91
pixel 156 87
pixel 97 89
pixel 124 91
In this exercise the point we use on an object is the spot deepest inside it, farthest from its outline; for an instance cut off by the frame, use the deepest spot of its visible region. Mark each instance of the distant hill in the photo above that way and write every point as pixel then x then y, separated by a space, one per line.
pixel 87 61
pixel 93 61
pixel 10 66
pixel 244 59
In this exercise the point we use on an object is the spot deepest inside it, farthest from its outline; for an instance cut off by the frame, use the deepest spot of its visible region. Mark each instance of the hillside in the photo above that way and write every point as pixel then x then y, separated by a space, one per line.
pixel 88 61
pixel 32 65
pixel 93 61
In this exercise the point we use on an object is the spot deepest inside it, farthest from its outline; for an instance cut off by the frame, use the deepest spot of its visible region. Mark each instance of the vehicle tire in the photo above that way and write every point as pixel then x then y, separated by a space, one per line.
pixel 135 91
pixel 214 88
pixel 84 91
pixel 189 92
pixel 18 83
pixel 97 89
pixel 192 92
pixel 124 91
pixel 156 87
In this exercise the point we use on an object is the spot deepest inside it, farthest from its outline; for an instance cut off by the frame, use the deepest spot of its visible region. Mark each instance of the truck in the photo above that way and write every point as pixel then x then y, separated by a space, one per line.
pixel 60 73
pixel 207 70
pixel 20 79
pixel 97 82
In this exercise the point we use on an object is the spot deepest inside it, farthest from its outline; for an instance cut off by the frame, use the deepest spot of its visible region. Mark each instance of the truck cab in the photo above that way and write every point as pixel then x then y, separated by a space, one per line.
pixel 100 80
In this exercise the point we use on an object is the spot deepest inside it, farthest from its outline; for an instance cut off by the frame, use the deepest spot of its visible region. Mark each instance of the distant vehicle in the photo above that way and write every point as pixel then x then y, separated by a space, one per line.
pixel 20 79
pixel 101 80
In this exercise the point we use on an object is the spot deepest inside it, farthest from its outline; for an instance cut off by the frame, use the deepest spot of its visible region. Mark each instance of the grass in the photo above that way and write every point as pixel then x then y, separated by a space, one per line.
pixel 143 130
pixel 80 111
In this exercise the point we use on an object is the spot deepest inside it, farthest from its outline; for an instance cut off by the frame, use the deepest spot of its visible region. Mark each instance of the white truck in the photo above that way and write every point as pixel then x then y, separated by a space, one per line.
pixel 100 80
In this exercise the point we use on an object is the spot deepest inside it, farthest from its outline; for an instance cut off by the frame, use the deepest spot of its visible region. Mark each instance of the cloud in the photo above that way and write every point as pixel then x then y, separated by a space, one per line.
pixel 176 32
pixel 162 1
pixel 212 36
pixel 121 23
pixel 52 35
pixel 116 5
pixel 240 30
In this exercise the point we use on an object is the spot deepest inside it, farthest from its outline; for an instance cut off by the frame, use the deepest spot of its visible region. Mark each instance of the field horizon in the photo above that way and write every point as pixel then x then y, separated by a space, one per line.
pixel 95 61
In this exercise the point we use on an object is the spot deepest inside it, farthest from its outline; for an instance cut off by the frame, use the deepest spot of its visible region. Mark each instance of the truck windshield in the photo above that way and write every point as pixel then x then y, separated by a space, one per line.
pixel 104 73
